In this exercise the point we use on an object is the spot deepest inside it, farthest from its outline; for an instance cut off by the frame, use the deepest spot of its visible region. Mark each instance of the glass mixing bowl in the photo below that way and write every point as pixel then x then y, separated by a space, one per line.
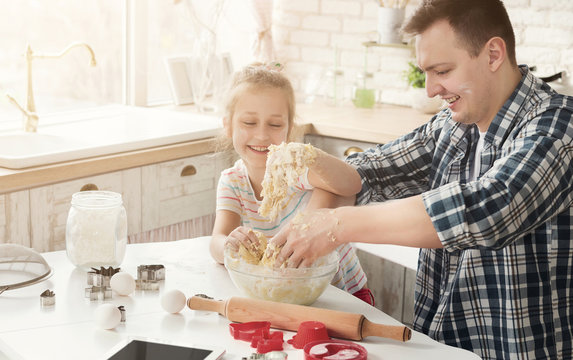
pixel 300 286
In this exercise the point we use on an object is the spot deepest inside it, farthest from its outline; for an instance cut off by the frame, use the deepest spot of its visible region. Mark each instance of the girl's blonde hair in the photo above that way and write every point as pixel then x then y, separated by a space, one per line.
pixel 257 76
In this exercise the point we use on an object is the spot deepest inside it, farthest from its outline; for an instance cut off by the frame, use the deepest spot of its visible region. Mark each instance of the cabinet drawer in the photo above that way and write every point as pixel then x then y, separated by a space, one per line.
pixel 49 205
pixel 180 190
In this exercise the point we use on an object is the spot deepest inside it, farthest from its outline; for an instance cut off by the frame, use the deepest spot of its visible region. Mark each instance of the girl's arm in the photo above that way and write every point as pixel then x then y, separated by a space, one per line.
pixel 324 199
pixel 225 222
pixel 334 175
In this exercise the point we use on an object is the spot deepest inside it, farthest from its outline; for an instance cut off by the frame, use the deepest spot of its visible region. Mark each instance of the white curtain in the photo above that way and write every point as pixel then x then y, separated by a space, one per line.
pixel 263 49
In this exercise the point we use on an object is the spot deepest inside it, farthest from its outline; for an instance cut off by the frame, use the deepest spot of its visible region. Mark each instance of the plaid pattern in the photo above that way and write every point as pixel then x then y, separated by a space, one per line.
pixel 502 286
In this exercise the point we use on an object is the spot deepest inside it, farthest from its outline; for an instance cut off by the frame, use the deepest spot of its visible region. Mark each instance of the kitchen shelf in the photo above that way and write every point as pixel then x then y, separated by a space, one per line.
pixel 377 44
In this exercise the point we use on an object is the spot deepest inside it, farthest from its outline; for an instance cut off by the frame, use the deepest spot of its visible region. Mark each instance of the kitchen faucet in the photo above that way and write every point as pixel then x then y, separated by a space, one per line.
pixel 30 115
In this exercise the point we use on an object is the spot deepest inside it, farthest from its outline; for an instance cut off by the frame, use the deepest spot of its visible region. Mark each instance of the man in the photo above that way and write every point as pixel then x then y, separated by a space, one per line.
pixel 484 188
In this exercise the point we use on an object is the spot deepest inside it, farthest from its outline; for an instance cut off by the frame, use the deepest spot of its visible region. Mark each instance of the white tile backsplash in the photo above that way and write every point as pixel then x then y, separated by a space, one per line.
pixel 306 32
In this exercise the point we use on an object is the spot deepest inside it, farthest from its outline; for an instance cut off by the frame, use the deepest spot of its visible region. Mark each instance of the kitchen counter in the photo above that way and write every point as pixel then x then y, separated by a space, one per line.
pixel 67 330
pixel 379 125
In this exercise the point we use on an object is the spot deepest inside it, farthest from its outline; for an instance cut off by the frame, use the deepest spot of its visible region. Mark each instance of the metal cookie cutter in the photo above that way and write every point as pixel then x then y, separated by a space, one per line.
pixel 151 272
pixel 47 298
pixel 98 293
pixel 122 312
pixel 101 276
pixel 146 285
pixel 149 276
pixel 273 355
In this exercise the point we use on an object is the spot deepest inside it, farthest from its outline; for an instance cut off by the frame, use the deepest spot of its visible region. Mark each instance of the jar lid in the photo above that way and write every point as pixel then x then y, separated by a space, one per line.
pixel 96 199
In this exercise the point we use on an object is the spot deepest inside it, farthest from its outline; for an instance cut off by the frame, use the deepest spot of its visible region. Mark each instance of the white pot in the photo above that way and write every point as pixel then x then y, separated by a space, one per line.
pixel 420 101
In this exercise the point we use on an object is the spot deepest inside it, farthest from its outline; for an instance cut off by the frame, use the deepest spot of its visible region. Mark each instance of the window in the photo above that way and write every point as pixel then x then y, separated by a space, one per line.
pixel 173 30
pixel 49 26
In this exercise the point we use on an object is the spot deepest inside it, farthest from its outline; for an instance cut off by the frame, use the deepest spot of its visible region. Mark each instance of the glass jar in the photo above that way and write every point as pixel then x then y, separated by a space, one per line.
pixel 363 91
pixel 96 230
pixel 334 87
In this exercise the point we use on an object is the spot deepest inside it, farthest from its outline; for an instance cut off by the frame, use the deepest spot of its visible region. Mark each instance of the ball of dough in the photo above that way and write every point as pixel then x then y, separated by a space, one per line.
pixel 122 283
pixel 107 316
pixel 173 301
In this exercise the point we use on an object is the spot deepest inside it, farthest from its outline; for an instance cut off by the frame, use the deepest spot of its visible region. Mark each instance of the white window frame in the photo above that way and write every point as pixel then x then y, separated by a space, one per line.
pixel 134 82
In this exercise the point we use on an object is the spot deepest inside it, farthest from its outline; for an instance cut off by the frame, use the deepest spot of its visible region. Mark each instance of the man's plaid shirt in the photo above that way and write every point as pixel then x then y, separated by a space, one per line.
pixel 502 286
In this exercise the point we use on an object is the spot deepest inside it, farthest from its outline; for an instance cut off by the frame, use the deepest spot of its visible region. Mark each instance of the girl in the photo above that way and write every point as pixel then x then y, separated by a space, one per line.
pixel 259 112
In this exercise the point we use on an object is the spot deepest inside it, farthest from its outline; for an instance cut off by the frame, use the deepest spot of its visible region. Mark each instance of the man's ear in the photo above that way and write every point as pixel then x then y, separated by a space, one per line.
pixel 496 52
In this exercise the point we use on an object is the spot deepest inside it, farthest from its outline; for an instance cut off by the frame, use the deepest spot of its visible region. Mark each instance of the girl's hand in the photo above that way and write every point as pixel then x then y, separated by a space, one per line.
pixel 242 235
pixel 306 238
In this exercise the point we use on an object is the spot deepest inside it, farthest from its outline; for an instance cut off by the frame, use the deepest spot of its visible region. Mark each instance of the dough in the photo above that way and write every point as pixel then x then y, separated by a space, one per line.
pixel 258 256
pixel 285 164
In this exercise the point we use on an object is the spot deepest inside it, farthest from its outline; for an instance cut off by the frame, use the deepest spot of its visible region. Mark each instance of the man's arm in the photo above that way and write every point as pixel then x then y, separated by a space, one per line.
pixel 400 222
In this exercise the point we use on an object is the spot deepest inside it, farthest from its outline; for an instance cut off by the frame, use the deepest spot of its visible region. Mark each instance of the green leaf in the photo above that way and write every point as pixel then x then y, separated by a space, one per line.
pixel 415 76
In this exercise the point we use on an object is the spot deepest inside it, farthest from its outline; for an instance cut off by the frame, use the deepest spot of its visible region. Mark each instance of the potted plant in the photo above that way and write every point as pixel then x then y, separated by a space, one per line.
pixel 420 101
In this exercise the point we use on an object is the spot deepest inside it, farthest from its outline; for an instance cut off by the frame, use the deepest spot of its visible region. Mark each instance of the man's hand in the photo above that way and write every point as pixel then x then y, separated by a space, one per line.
pixel 307 237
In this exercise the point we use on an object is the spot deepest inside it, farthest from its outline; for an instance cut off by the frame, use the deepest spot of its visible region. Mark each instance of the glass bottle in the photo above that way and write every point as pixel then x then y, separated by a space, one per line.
pixel 96 229
pixel 334 87
pixel 363 91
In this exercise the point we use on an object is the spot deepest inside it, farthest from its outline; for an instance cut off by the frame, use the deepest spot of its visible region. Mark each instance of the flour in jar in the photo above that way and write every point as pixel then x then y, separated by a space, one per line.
pixel 96 229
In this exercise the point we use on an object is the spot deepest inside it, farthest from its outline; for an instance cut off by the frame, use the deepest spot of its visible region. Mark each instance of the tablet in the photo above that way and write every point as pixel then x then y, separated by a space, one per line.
pixel 140 348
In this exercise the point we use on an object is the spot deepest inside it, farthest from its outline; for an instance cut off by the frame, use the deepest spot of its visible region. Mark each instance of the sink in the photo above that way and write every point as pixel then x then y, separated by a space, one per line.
pixel 102 131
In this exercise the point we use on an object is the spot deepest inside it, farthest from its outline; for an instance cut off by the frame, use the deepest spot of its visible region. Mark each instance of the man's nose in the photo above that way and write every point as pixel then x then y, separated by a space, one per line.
pixel 433 87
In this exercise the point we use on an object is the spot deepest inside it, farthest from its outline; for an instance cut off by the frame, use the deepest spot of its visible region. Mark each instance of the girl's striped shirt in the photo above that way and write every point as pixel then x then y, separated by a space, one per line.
pixel 235 193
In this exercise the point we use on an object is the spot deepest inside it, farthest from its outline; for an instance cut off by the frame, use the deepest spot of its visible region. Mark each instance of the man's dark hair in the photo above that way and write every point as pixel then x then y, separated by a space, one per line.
pixel 475 22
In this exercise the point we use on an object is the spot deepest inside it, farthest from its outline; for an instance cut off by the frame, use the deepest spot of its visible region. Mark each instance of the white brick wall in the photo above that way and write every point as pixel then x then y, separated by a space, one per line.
pixel 306 32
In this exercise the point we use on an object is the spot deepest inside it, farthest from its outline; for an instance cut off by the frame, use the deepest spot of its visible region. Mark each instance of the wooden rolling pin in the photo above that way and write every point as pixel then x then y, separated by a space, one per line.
pixel 288 317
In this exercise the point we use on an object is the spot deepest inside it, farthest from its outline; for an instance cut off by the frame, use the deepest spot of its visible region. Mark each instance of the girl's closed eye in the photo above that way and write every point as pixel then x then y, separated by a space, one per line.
pixel 249 121
pixel 277 121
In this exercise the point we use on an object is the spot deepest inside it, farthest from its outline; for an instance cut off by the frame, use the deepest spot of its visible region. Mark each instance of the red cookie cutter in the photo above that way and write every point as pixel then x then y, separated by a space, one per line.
pixel 246 331
pixel 334 349
pixel 309 331
pixel 259 335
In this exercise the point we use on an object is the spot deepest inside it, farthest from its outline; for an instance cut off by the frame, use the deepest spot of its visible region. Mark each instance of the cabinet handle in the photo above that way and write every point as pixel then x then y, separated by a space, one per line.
pixel 351 150
pixel 89 187
pixel 188 170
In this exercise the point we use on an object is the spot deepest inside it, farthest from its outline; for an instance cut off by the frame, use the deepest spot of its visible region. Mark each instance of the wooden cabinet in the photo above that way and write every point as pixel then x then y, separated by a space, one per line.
pixel 179 190
pixel 49 205
pixel 15 218
pixel 154 196
pixel 392 285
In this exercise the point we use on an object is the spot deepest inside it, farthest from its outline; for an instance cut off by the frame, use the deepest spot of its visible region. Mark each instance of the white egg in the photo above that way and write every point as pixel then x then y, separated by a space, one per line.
pixel 173 301
pixel 107 316
pixel 122 283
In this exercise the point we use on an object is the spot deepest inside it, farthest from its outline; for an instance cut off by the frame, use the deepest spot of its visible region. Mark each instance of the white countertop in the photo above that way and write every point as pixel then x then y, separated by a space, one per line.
pixel 402 255
pixel 67 330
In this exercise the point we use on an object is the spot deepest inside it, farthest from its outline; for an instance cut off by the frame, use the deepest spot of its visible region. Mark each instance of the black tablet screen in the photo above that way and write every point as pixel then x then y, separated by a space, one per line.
pixel 142 350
